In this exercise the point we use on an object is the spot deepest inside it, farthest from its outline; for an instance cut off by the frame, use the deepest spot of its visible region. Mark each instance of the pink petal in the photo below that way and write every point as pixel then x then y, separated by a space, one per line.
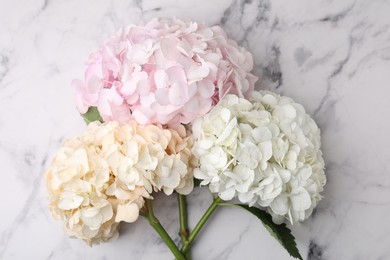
pixel 108 98
pixel 133 99
pixel 142 116
pixel 168 48
pixel 161 79
pixel 206 88
pixel 178 94
pixel 94 65
pixel 162 96
pixel 197 73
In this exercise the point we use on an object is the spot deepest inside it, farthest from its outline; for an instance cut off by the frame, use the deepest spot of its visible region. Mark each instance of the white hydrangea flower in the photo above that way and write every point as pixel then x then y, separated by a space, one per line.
pixel 100 178
pixel 264 151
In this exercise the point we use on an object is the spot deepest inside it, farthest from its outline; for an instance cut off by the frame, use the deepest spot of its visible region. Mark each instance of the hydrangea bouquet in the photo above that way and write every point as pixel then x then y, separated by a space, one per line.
pixel 171 105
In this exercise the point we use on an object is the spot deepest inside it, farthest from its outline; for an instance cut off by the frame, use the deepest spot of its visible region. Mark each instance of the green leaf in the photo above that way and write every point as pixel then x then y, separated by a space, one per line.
pixel 281 232
pixel 92 115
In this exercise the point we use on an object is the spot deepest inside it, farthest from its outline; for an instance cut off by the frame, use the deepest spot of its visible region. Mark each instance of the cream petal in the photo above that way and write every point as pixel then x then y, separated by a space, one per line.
pixel 128 213
pixel 91 217
pixel 69 200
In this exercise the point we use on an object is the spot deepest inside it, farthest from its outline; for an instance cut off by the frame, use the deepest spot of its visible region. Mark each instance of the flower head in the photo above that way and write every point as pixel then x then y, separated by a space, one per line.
pixel 101 177
pixel 264 150
pixel 165 72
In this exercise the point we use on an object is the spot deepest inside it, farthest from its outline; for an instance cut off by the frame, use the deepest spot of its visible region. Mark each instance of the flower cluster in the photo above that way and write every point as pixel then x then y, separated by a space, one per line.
pixel 264 150
pixel 177 100
pixel 102 176
pixel 165 72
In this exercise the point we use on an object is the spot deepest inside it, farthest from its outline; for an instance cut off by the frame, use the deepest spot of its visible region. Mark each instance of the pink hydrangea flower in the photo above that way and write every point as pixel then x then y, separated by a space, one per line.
pixel 166 72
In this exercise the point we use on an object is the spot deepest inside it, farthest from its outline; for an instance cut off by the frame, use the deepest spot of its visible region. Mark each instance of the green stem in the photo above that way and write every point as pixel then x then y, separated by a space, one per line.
pixel 161 231
pixel 184 233
pixel 200 224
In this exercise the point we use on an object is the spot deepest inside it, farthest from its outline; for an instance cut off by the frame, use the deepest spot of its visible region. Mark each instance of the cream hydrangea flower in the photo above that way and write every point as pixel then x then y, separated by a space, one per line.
pixel 265 151
pixel 101 177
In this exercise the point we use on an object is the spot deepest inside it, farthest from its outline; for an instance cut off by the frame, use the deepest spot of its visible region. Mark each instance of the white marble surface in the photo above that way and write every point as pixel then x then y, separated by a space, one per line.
pixel 332 56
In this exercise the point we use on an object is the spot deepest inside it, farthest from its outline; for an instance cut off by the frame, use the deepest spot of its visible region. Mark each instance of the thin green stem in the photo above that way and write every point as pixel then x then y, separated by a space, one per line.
pixel 155 223
pixel 184 233
pixel 200 224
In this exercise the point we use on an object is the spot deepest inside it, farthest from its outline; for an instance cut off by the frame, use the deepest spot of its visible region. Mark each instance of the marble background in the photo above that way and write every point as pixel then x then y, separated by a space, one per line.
pixel 332 56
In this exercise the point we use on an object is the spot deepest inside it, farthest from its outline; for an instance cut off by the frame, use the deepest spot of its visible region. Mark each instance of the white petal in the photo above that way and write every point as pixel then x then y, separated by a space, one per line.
pixel 301 201
pixel 227 194
pixel 280 205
